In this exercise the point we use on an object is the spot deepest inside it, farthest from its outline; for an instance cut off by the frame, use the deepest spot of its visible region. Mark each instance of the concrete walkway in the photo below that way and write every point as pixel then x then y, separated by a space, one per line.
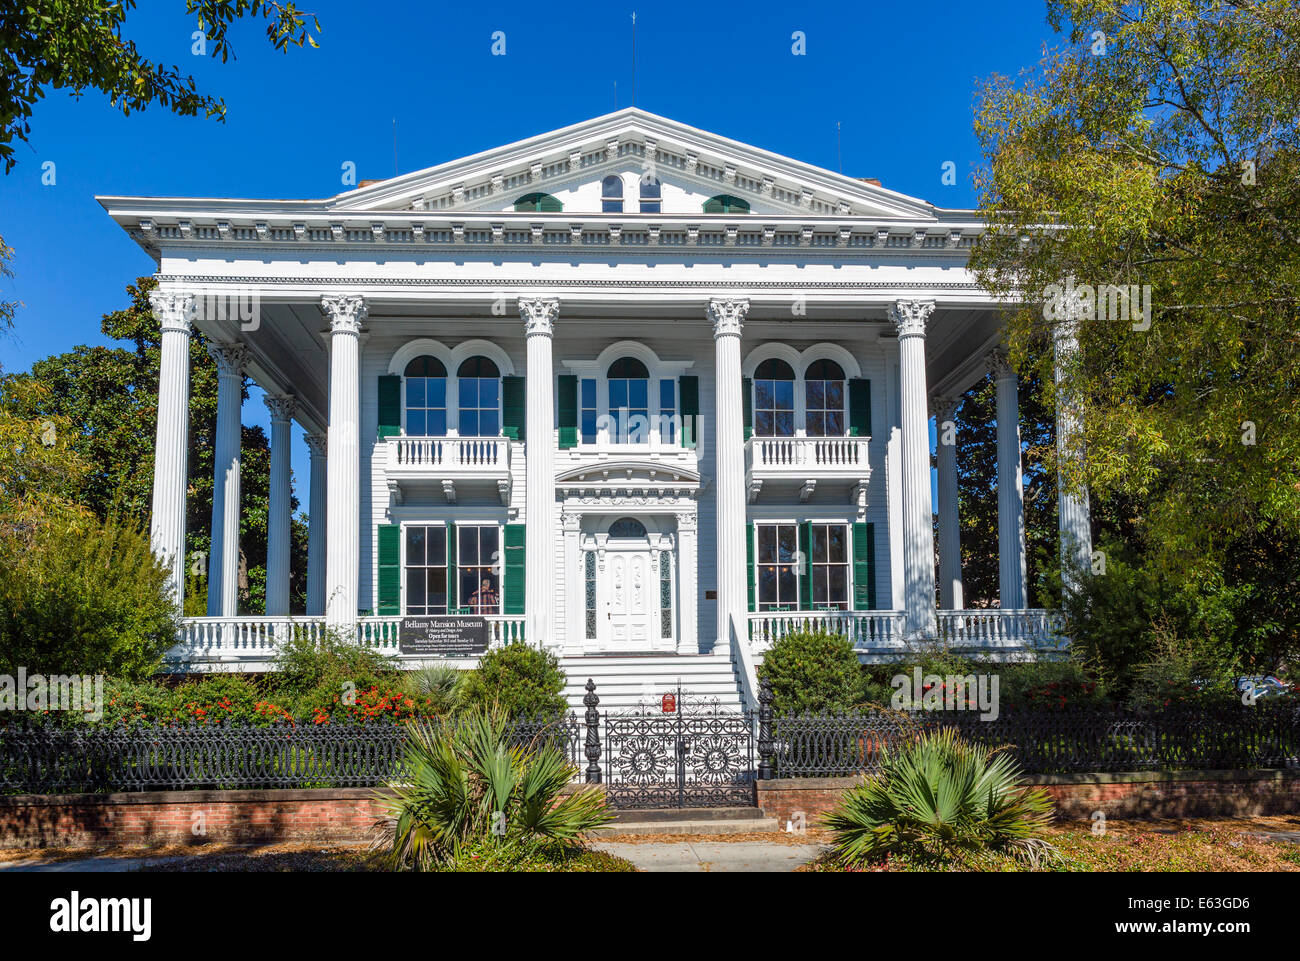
pixel 86 865
pixel 713 855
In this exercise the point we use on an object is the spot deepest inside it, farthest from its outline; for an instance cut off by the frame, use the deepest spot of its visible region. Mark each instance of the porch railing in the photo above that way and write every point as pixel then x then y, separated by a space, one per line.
pixel 803 453
pixel 464 453
pixel 866 629
pixel 992 627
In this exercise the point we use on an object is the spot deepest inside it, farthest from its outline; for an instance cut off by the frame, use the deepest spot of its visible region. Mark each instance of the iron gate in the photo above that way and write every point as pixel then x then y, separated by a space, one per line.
pixel 694 756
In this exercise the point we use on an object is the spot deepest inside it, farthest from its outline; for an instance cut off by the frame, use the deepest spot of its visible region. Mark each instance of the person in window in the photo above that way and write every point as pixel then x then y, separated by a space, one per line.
pixel 485 600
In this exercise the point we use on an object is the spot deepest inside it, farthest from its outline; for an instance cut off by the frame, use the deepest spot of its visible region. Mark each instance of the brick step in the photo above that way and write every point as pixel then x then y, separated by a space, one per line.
pixel 748 826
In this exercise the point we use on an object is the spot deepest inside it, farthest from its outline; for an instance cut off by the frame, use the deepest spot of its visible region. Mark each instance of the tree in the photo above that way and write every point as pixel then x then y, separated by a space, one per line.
pixel 977 492
pixel 7 307
pixel 1160 153
pixel 78 45
pixel 108 397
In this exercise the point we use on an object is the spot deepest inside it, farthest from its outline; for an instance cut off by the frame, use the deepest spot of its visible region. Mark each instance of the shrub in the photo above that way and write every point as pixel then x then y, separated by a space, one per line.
pixel 523 681
pixel 813 671
pixel 314 675
pixel 438 685
pixel 468 790
pixel 940 799
pixel 78 596
pixel 1048 686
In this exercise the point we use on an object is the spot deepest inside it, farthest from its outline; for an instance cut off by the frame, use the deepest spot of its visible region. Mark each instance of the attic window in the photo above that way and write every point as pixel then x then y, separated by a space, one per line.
pixel 537 203
pixel 725 204
pixel 650 194
pixel 611 194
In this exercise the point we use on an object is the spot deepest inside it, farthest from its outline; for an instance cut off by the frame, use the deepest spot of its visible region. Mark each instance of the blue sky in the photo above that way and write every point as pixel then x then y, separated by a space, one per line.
pixel 899 76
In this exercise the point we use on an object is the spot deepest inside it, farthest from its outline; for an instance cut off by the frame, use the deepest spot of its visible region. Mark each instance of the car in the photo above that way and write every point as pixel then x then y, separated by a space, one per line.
pixel 1262 686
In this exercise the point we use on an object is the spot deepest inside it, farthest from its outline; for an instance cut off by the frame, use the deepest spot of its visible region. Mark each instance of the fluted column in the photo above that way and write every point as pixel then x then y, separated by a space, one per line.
pixel 910 317
pixel 728 318
pixel 175 314
pixel 539 317
pixel 223 561
pixel 343 478
pixel 277 520
pixel 951 596
pixel 1011 496
pixel 316 526
pixel 1073 510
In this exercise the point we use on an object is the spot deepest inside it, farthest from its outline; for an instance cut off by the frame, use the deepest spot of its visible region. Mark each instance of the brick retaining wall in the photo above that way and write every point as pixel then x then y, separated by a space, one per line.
pixel 1157 794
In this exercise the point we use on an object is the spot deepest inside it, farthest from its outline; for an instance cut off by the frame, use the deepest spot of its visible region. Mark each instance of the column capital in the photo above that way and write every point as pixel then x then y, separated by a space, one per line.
pixel 944 407
pixel 281 408
pixel 317 444
pixel 346 312
pixel 728 315
pixel 231 358
pixel 999 364
pixel 539 315
pixel 911 316
pixel 174 311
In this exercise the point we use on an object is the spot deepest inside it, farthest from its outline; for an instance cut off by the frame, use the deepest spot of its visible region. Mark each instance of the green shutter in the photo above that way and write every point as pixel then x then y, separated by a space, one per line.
pixel 515 570
pixel 390 568
pixel 567 399
pixel 689 388
pixel 453 578
pixel 805 575
pixel 864 567
pixel 859 408
pixel 513 407
pixel 749 561
pixel 747 395
pixel 390 406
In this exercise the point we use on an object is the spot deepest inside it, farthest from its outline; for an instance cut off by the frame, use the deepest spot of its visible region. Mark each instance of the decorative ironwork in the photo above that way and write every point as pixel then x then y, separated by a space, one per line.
pixel 765 745
pixel 592 700
pixel 690 757
pixel 45 759
pixel 1049 742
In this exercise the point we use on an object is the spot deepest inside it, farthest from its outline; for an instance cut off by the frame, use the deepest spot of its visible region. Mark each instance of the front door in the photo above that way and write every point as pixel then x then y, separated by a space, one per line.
pixel 632 605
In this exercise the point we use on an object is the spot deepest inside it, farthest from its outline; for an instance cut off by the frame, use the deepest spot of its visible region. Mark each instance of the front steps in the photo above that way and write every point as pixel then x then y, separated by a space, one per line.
pixel 629 681
pixel 734 820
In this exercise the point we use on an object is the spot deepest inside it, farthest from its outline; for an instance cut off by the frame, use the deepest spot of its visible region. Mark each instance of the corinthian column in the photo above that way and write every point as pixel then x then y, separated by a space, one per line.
pixel 910 317
pixel 343 482
pixel 1011 495
pixel 540 628
pixel 175 313
pixel 728 318
pixel 316 526
pixel 223 563
pixel 950 587
pixel 277 521
pixel 1073 511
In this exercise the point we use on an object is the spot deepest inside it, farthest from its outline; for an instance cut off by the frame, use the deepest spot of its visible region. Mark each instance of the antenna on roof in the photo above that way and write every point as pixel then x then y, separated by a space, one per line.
pixel 839 149
pixel 615 94
pixel 634 58
pixel 394 146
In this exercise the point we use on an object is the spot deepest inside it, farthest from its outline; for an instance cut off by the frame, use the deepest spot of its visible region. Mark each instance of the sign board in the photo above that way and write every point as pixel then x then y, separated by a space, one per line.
pixel 669 703
pixel 453 636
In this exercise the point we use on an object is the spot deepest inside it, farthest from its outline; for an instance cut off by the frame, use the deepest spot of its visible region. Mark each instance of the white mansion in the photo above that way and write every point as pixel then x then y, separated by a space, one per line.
pixel 629 390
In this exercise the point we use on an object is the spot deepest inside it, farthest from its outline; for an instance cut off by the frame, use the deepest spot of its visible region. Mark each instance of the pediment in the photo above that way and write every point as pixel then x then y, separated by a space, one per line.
pixel 692 165
pixel 628 474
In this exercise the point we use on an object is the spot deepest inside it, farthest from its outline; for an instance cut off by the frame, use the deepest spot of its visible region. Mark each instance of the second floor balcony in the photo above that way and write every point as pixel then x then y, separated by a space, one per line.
pixel 451 463
pixel 780 466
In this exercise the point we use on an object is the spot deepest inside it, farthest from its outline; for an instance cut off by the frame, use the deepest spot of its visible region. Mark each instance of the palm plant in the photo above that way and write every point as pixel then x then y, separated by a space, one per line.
pixel 439 685
pixel 940 799
pixel 467 785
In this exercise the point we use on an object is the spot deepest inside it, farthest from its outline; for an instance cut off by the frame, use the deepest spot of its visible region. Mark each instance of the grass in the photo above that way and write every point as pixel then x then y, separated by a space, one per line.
pixel 1155 846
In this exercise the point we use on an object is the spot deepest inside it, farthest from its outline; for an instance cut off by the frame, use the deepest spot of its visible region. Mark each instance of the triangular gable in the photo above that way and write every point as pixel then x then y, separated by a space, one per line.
pixel 572 158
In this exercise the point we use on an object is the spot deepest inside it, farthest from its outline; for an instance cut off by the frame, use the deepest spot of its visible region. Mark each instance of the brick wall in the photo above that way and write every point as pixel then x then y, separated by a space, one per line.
pixel 1077 796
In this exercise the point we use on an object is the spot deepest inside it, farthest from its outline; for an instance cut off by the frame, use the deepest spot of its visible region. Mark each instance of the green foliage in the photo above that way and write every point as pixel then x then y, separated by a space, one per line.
pixel 1048 686
pixel 468 791
pixel 1180 673
pixel 312 675
pixel 523 681
pixel 438 685
pixel 940 799
pixel 78 45
pixel 813 671
pixel 7 307
pixel 81 597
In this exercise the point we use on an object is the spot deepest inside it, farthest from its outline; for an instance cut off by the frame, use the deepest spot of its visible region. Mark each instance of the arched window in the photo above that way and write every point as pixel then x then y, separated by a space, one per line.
pixel 611 194
pixel 824 399
pixel 629 401
pixel 725 204
pixel 480 398
pixel 537 203
pixel 426 397
pixel 650 194
pixel 627 527
pixel 774 399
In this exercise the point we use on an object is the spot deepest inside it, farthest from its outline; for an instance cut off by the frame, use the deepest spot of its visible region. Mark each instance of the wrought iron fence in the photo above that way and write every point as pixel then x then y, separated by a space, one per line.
pixel 1056 742
pixel 44 759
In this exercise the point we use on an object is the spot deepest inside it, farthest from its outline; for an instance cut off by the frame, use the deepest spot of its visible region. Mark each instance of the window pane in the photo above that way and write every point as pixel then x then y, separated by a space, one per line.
pixel 784 392
pixel 650 207
pixel 789 542
pixel 588 392
pixel 816 424
pixel 588 425
pixel 469 392
pixel 839 585
pixel 437 539
pixel 467 546
pixel 763 396
pixel 816 395
pixel 766 544
pixel 767 585
pixel 436 423
pixel 818 544
pixel 617 394
pixel 785 423
pixel 469 423
pixel 488 390
pixel 487 424
pixel 837 544
pixel 764 423
pixel 415 423
pixel 414 545
pixel 639 393
pixel 437 590
pixel 835 394
pixel 611 206
pixel 415 392
pixel 819 586
pixel 488 544
pixel 415 593
pixel 834 424
pixel 788 582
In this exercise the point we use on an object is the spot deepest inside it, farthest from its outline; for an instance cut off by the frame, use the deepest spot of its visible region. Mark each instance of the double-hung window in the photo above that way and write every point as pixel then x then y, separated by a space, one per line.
pixel 426 569
pixel 774 399
pixel 629 401
pixel 478 568
pixel 480 398
pixel 824 396
pixel 426 397
pixel 829 566
pixel 776 566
